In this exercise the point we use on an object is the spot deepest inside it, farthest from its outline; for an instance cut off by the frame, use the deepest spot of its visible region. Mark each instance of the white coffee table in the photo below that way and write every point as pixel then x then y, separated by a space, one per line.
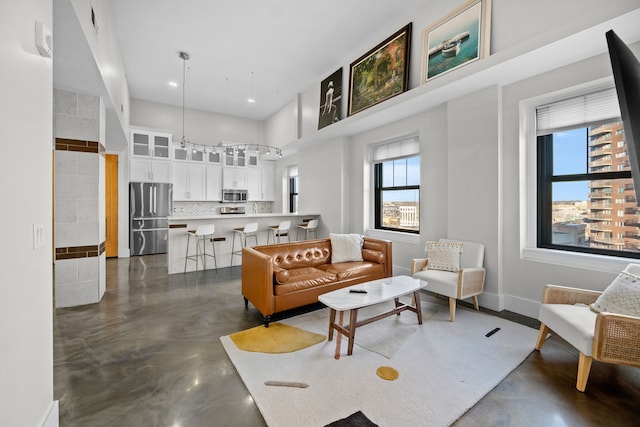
pixel 377 291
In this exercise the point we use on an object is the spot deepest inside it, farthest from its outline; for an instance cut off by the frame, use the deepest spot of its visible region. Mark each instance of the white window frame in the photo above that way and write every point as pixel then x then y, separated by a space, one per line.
pixel 371 230
pixel 528 188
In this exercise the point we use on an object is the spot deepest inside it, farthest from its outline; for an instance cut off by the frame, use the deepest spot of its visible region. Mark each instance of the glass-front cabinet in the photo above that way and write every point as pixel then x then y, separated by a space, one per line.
pixel 150 144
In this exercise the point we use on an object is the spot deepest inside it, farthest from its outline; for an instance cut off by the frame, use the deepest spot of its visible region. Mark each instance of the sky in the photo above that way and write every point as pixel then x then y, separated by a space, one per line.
pixel 570 157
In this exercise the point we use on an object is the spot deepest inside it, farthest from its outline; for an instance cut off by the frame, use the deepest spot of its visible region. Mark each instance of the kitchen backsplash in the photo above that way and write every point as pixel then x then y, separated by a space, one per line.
pixel 213 208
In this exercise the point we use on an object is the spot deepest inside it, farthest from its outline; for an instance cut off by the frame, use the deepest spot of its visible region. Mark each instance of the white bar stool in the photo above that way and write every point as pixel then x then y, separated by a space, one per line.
pixel 278 231
pixel 202 233
pixel 309 227
pixel 249 230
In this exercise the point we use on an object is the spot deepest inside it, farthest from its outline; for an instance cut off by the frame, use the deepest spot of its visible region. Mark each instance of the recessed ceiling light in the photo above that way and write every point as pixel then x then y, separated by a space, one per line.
pixel 251 101
pixel 173 84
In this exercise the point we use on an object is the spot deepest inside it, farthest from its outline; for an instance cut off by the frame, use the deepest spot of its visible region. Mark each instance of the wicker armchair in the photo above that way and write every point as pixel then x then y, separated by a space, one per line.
pixel 605 337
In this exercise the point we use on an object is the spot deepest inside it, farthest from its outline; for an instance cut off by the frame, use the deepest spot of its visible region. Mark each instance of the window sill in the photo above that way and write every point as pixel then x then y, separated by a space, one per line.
pixel 394 236
pixel 577 260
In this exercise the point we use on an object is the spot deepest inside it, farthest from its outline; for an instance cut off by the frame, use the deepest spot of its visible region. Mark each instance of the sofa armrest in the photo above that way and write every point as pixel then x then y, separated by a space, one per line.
pixel 617 339
pixel 383 246
pixel 257 280
pixel 470 281
pixel 554 294
pixel 418 264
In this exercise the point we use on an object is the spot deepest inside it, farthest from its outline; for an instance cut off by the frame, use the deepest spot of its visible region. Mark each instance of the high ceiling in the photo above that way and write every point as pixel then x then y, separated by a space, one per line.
pixel 268 50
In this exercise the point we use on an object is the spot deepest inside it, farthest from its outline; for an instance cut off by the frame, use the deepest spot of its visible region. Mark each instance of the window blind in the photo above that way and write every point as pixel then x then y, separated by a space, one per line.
pixel 581 111
pixel 403 147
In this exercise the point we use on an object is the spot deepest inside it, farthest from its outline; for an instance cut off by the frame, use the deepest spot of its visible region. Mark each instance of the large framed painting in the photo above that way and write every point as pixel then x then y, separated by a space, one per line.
pixel 381 73
pixel 461 37
pixel 330 99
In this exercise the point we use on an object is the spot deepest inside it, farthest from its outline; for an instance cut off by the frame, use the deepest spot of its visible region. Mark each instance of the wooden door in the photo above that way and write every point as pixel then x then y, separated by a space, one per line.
pixel 111 204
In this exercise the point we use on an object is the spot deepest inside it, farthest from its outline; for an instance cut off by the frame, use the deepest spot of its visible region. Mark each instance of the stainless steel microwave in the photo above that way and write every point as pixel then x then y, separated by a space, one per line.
pixel 234 196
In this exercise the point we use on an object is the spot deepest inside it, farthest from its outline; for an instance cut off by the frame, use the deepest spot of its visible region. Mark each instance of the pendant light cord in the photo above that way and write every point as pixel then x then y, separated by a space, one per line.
pixel 184 56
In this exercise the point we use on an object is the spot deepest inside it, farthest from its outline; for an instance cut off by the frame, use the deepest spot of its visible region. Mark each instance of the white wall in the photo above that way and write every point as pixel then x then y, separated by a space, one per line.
pixel 474 186
pixel 201 127
pixel 26 358
pixel 105 47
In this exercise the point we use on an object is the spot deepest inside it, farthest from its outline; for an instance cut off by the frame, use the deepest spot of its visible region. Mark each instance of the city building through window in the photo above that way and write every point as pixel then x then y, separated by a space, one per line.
pixel 397 185
pixel 586 200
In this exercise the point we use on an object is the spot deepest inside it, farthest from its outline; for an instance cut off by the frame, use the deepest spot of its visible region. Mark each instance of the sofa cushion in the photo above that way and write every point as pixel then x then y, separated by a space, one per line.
pixel 622 296
pixel 346 247
pixel 353 270
pixel 304 278
pixel 443 256
pixel 574 323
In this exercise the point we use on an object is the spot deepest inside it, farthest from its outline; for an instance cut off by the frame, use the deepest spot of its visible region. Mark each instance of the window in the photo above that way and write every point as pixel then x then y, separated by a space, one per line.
pixel 585 200
pixel 293 189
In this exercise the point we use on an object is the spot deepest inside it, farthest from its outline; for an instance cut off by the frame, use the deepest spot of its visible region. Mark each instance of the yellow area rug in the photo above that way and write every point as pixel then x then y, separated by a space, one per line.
pixel 277 338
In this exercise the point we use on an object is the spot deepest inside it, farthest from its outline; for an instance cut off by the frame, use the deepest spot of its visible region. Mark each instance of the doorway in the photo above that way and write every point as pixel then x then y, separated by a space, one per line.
pixel 111 204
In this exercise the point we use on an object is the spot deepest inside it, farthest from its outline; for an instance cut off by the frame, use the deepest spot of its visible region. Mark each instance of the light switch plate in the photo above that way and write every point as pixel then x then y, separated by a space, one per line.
pixel 38 235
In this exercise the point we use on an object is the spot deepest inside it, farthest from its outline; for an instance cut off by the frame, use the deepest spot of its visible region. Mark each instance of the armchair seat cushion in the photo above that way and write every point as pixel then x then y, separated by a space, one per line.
pixel 304 278
pixel 439 281
pixel 352 270
pixel 574 323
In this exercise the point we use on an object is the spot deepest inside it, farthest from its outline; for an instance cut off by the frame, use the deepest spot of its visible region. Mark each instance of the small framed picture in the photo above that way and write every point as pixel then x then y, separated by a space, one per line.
pixel 330 99
pixel 459 38
pixel 381 73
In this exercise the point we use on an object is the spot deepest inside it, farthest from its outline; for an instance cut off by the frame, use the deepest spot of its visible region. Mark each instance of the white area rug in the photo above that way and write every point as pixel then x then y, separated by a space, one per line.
pixel 445 368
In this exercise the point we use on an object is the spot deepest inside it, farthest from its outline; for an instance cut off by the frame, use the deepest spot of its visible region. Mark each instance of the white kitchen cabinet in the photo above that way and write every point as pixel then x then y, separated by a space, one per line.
pixel 234 178
pixel 188 181
pixel 214 182
pixel 267 180
pixel 188 153
pixel 150 144
pixel 214 158
pixel 253 159
pixel 254 189
pixel 150 159
pixel 235 157
pixel 149 170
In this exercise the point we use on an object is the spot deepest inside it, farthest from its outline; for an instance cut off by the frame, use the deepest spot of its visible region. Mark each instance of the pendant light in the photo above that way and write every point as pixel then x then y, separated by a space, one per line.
pixel 185 57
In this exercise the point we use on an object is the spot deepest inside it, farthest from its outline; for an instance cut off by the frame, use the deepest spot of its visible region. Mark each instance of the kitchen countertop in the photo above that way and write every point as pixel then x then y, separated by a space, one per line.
pixel 236 216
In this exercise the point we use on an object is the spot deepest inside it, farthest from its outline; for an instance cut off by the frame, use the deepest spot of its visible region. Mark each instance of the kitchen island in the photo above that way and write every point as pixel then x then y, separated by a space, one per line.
pixel 224 226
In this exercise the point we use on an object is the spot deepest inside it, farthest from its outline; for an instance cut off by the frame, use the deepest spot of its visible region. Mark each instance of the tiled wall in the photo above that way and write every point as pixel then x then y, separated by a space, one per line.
pixel 210 208
pixel 79 199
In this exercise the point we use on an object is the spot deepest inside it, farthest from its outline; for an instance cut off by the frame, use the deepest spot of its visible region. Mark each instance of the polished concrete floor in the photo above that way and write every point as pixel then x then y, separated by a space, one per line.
pixel 149 354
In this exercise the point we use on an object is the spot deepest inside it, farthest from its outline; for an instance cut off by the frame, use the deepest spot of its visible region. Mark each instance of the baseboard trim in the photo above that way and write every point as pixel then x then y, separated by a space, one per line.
pixel 522 306
pixel 53 416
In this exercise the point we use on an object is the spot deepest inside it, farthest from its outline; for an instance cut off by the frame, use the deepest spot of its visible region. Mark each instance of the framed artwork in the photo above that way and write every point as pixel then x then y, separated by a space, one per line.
pixel 330 99
pixel 381 73
pixel 459 38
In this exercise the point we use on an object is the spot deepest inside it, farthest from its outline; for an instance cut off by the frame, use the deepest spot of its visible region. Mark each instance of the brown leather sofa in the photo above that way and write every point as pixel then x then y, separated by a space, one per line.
pixel 283 276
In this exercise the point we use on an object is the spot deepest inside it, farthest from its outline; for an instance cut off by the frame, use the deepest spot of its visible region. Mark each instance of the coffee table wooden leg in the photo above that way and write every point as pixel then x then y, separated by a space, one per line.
pixel 332 320
pixel 339 337
pixel 352 330
pixel 398 304
pixel 416 298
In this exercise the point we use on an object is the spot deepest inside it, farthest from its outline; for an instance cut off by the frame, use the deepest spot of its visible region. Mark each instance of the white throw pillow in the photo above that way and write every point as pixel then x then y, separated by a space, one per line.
pixel 443 256
pixel 622 296
pixel 346 247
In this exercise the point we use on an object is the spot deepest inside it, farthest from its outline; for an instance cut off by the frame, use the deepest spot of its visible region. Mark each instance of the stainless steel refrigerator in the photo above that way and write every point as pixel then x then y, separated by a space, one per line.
pixel 149 209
